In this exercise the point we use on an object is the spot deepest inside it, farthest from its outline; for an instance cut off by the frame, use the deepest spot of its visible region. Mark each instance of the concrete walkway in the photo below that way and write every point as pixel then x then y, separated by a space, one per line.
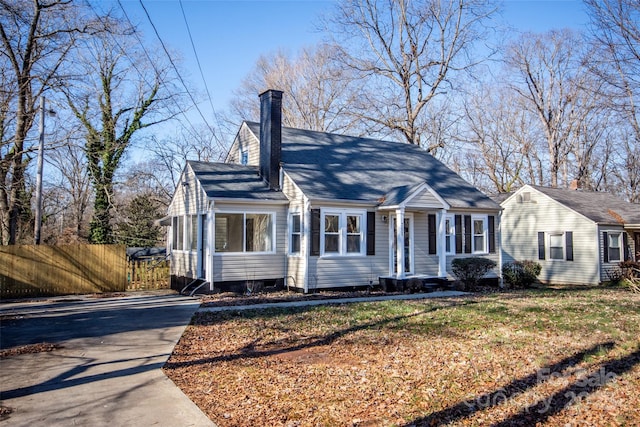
pixel 438 294
pixel 108 372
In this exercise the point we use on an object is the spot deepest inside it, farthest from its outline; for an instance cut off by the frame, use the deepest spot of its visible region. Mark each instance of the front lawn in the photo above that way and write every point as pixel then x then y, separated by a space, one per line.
pixel 556 357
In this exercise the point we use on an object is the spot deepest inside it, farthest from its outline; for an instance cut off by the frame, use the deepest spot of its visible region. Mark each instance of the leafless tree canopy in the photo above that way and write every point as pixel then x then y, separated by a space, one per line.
pixel 407 53
pixel 318 93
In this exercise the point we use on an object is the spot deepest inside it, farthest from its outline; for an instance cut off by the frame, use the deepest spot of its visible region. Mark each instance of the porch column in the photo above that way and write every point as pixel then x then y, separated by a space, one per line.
pixel 441 245
pixel 210 249
pixel 400 274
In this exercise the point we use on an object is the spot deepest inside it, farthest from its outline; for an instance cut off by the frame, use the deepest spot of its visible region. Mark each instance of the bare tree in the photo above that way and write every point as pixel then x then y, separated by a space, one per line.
pixel 406 54
pixel 501 139
pixel 72 187
pixel 117 92
pixel 317 91
pixel 36 38
pixel 616 34
pixel 548 75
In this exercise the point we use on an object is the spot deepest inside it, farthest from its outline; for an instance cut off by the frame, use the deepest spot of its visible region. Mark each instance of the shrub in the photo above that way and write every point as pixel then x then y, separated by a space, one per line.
pixel 469 271
pixel 521 274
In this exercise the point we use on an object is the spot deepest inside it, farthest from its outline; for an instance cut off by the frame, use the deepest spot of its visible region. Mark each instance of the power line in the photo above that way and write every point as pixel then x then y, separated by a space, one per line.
pixel 180 75
pixel 193 132
pixel 195 52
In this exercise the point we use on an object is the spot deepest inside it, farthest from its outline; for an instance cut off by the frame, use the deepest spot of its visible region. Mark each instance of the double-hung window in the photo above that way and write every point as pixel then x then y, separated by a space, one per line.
pixel 450 234
pixel 614 247
pixel 343 232
pixel 479 230
pixel 556 246
pixel 295 233
pixel 244 232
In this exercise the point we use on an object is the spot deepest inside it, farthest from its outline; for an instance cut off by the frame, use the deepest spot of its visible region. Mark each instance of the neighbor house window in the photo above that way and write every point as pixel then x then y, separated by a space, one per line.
pixel 295 228
pixel 244 232
pixel 556 246
pixel 614 247
pixel 479 227
pixel 450 234
pixel 343 233
pixel 244 157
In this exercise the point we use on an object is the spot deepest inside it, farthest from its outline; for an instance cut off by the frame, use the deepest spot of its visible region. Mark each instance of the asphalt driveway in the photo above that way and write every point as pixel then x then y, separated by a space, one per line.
pixel 108 371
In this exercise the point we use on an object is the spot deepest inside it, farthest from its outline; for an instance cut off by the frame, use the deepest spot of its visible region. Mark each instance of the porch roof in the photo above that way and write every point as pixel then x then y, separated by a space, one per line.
pixel 231 181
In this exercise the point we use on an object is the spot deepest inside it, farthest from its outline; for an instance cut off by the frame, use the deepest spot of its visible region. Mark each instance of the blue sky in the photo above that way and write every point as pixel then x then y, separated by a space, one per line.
pixel 229 36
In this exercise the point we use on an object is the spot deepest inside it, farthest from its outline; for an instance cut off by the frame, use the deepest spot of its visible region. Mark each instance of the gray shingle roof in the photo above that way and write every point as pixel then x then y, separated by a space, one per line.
pixel 224 180
pixel 600 207
pixel 340 167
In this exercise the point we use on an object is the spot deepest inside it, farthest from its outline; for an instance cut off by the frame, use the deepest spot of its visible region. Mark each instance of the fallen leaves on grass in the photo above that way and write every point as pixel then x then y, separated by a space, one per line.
pixel 521 358
pixel 29 349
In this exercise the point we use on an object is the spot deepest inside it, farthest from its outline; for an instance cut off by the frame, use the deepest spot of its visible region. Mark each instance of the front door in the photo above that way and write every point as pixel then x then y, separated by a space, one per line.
pixel 636 241
pixel 408 245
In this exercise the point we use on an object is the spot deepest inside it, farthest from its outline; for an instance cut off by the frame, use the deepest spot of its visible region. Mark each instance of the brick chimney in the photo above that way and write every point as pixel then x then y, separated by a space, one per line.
pixel 271 137
pixel 574 185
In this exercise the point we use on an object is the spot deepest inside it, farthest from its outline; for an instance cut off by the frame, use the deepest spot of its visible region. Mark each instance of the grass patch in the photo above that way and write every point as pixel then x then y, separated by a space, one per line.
pixel 515 358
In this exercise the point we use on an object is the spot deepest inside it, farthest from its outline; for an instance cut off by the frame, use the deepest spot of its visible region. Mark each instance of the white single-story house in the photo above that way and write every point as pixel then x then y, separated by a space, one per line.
pixel 316 210
pixel 579 237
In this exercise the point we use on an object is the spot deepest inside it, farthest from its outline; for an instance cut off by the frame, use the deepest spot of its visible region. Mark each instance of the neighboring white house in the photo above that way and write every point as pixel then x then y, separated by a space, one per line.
pixel 578 236
pixel 317 210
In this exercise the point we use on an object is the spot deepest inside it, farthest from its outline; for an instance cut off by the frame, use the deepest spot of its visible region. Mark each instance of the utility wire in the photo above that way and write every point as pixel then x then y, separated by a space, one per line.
pixel 195 52
pixel 180 76
pixel 192 130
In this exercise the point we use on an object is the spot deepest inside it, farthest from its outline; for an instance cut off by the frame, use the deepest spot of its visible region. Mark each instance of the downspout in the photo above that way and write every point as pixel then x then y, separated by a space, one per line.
pixel 304 245
pixel 499 249
pixel 442 248
pixel 211 221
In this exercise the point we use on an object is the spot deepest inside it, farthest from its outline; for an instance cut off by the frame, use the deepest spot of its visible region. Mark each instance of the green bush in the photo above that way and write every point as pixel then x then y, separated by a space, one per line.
pixel 469 271
pixel 521 274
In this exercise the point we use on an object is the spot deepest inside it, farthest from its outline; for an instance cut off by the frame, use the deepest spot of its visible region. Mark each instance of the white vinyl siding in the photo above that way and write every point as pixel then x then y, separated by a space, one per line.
pixel 189 199
pixel 241 266
pixel 331 272
pixel 521 223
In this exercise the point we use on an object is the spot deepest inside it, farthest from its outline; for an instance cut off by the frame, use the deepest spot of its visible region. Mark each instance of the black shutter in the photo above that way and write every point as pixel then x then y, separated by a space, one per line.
pixel 605 240
pixel 541 254
pixel 433 234
pixel 492 234
pixel 371 233
pixel 458 225
pixel 569 243
pixel 625 242
pixel 315 232
pixel 467 234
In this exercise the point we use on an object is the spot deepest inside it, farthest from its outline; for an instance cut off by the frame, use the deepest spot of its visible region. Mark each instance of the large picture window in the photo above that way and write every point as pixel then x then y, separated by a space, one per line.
pixel 244 232
pixel 343 232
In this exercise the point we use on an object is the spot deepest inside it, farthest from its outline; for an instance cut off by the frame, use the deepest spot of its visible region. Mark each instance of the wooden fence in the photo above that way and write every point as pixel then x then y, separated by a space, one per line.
pixel 145 274
pixel 36 271
pixel 40 270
